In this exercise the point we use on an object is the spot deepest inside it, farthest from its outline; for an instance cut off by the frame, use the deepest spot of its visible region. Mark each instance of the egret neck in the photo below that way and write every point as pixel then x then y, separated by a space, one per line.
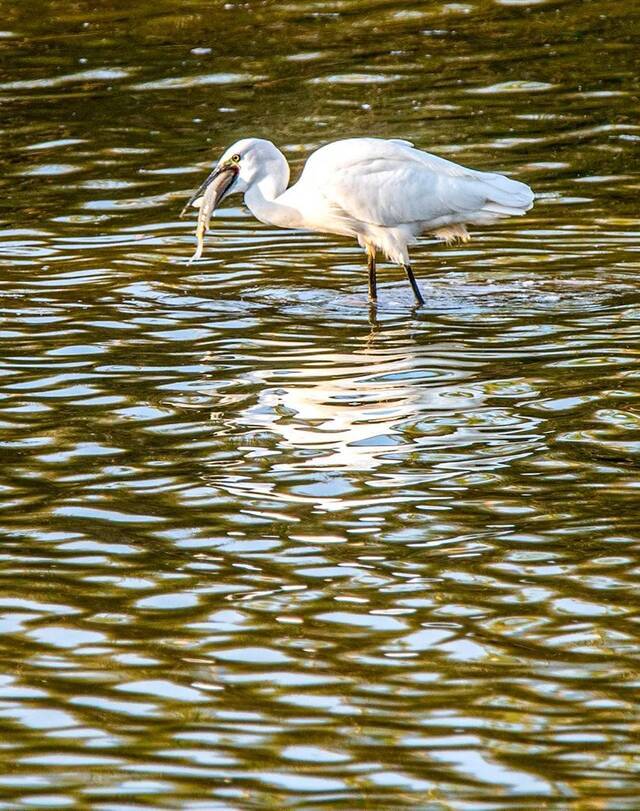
pixel 262 198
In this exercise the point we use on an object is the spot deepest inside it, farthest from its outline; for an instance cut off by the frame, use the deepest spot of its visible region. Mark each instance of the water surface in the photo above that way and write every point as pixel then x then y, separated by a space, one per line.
pixel 262 547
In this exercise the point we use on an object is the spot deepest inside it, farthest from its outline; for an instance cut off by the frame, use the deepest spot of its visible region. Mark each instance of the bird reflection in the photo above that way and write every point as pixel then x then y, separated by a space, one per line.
pixel 348 412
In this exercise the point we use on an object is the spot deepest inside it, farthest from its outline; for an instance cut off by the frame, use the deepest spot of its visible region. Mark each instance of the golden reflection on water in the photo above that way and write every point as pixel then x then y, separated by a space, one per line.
pixel 263 547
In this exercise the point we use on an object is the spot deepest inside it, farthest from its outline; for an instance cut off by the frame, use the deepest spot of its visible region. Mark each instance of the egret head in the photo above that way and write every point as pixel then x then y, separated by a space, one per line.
pixel 242 165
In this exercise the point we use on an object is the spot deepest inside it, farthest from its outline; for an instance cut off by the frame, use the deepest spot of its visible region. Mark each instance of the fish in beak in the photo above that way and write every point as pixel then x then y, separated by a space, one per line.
pixel 208 196
pixel 219 182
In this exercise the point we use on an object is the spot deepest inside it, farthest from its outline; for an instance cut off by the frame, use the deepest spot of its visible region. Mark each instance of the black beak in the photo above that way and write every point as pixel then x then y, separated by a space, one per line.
pixel 222 178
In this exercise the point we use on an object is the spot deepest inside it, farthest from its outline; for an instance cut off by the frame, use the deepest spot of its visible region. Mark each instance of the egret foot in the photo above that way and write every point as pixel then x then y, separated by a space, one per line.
pixel 371 264
pixel 414 284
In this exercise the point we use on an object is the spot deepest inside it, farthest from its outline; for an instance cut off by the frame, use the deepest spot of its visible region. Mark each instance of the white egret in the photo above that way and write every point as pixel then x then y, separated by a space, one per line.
pixel 385 193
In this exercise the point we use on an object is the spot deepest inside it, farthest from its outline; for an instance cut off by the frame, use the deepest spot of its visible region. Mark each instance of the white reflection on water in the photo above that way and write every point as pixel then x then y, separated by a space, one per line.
pixel 347 421
pixel 348 411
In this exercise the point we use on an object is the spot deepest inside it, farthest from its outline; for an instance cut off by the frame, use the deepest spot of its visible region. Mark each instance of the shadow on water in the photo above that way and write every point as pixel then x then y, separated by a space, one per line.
pixel 264 546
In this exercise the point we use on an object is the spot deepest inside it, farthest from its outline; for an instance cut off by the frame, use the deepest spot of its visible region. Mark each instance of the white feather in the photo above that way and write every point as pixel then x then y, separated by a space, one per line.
pixel 384 193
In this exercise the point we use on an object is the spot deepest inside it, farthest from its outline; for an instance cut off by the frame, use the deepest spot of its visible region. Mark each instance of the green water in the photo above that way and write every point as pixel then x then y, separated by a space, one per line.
pixel 262 548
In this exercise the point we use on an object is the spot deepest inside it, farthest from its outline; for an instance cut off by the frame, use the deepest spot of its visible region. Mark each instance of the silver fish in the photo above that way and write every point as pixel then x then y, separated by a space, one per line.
pixel 204 220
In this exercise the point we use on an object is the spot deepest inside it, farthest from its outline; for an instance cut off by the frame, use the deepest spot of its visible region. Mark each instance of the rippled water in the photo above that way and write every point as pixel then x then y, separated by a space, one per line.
pixel 263 547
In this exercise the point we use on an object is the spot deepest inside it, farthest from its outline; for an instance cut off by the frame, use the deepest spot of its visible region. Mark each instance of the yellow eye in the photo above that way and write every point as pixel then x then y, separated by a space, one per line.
pixel 235 158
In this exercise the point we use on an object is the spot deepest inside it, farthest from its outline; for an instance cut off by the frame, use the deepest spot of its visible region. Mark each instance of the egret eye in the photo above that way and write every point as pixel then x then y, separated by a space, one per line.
pixel 235 158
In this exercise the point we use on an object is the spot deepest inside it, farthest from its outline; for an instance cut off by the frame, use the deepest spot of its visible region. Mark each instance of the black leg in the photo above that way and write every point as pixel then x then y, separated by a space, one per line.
pixel 414 284
pixel 371 264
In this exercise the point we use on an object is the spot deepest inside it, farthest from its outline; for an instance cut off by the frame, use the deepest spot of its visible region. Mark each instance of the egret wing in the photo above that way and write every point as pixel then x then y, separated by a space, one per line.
pixel 390 183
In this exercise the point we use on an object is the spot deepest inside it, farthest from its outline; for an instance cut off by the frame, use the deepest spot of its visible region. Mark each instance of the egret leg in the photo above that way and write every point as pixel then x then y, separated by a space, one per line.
pixel 371 264
pixel 414 284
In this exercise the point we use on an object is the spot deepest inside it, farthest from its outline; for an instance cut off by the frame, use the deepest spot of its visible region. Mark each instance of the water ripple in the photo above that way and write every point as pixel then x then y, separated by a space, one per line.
pixel 262 545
